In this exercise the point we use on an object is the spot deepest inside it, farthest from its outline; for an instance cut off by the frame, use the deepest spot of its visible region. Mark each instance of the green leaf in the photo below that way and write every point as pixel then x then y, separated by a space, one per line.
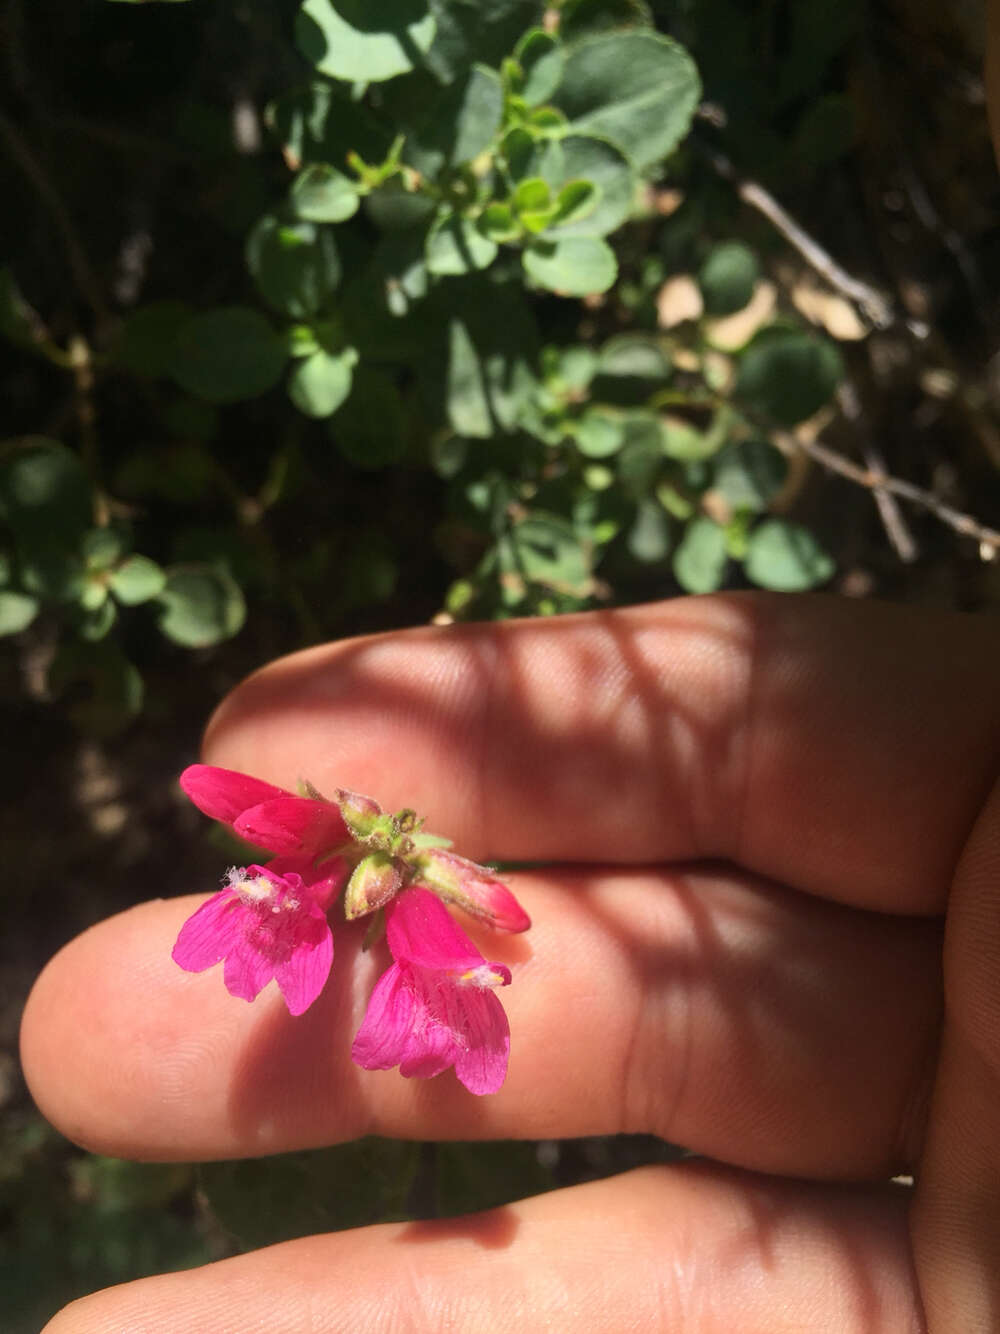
pixel 631 367
pixel 641 459
pixel 394 208
pixel 357 40
pixel 701 558
pixel 137 579
pixel 101 547
pixel 17 611
pixel 294 264
pixel 749 474
pixel 320 384
pixel 458 124
pixel 370 428
pixel 482 373
pixel 580 158
pixel 683 441
pixel 649 537
pixel 448 454
pixel 320 193
pixel 788 375
pixel 98 619
pixel 727 278
pixel 201 606
pixel 45 492
pixel 572 266
pixel 541 59
pixel 262 1201
pixel 228 354
pixel 532 195
pixel 549 552
pixel 599 433
pixel 497 221
pixel 576 201
pixel 455 245
pixel 786 558
pixel 637 89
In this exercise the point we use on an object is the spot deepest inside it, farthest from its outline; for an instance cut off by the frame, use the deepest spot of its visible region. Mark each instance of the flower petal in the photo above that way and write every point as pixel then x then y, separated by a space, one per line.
pixel 433 1045
pixel 209 933
pixel 385 1030
pixel 303 974
pixel 421 931
pixel 225 794
pixel 481 1063
pixel 247 971
pixel 322 883
pixel 288 824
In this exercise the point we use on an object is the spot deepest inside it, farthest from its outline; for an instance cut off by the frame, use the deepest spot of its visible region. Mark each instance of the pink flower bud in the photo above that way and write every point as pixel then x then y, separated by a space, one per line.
pixel 375 880
pixel 360 813
pixel 471 887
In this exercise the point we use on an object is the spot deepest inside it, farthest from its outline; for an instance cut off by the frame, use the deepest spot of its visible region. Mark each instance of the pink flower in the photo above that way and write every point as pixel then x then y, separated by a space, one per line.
pixel 471 887
pixel 267 922
pixel 435 1007
pixel 265 815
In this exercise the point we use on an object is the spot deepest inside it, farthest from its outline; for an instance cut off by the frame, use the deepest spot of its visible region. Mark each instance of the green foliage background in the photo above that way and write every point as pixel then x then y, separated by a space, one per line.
pixel 330 316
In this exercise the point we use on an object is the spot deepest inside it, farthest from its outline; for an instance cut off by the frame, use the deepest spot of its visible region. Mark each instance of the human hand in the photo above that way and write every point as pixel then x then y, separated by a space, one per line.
pixel 845 751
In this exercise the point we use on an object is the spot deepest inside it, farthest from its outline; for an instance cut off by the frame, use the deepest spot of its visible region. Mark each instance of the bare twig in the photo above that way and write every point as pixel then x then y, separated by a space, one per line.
pixel 892 518
pixel 876 480
pixel 876 307
pixel 83 272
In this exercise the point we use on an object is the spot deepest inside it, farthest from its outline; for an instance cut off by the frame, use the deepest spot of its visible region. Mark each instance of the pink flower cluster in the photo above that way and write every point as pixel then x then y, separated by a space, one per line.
pixel 436 1006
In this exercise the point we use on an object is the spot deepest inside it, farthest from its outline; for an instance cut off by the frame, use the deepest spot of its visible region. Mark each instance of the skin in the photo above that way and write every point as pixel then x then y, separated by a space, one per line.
pixel 771 934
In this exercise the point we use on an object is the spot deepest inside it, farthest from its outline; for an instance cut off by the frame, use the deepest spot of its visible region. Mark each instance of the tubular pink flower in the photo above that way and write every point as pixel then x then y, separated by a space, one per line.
pixel 265 815
pixel 435 1007
pixel 471 887
pixel 267 922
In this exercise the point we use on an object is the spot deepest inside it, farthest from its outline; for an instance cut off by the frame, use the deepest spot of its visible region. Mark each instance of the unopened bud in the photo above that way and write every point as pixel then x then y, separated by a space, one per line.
pixel 375 880
pixel 473 888
pixel 360 813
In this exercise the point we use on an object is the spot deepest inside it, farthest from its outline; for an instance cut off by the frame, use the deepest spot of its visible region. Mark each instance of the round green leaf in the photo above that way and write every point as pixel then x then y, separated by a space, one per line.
pixel 101 547
pixel 201 606
pixel 228 354
pixel 599 434
pixel 137 579
pixel 357 40
pixel 42 483
pixel 320 193
pixel 111 687
pixel 649 537
pixel 319 384
pixel 701 558
pixel 788 375
pixel 727 278
pixel 17 611
pixel 455 245
pixel 631 367
pixel 541 59
pixel 572 265
pixel 636 88
pixel 786 558
pixel 581 158
pixel 294 264
pixel 749 474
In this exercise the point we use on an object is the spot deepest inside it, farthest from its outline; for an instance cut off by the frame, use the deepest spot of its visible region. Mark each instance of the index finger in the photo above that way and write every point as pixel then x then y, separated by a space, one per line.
pixel 840 747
